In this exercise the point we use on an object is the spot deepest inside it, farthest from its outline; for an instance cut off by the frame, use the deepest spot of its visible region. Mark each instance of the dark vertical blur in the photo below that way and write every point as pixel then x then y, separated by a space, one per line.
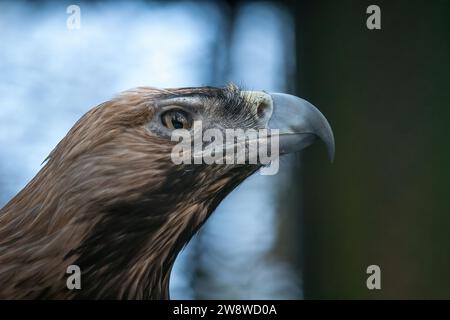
pixel 385 200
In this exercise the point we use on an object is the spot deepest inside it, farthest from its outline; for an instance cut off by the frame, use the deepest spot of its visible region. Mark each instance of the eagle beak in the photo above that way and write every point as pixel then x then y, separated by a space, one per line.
pixel 299 124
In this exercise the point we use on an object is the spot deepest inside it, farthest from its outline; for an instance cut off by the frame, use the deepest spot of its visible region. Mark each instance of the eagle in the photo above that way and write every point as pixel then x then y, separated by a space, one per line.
pixel 110 200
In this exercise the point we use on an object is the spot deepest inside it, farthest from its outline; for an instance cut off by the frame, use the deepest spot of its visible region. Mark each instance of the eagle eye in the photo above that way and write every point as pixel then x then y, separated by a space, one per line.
pixel 176 119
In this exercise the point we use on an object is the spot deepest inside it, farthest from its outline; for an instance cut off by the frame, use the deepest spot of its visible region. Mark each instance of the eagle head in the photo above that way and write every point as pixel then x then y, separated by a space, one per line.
pixel 111 200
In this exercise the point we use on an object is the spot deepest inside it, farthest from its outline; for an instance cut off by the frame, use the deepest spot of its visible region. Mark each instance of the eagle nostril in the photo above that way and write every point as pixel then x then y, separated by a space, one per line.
pixel 263 109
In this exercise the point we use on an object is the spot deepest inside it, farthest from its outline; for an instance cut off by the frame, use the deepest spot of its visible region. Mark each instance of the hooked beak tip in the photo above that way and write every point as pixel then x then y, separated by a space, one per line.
pixel 298 117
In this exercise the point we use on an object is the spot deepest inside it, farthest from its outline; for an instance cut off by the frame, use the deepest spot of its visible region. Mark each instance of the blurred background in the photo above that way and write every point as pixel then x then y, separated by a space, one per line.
pixel 311 230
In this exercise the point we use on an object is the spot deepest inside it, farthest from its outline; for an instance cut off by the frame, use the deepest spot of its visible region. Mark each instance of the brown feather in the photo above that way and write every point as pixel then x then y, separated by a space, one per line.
pixel 110 200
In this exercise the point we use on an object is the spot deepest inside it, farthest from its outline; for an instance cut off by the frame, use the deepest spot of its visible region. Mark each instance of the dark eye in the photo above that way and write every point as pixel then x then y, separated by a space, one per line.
pixel 176 119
